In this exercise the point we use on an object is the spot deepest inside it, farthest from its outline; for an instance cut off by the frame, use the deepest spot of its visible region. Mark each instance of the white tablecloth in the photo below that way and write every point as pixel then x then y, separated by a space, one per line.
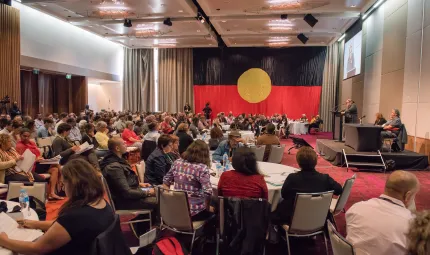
pixel 225 127
pixel 33 216
pixel 248 136
pixel 298 128
pixel 275 175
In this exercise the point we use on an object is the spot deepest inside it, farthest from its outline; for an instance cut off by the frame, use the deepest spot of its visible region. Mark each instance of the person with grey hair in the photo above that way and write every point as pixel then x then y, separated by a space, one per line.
pixel 129 136
pixel 351 112
pixel 101 135
pixel 392 127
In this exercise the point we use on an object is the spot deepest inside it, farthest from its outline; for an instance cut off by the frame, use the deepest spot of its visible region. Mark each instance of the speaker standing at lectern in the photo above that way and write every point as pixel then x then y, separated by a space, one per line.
pixel 350 112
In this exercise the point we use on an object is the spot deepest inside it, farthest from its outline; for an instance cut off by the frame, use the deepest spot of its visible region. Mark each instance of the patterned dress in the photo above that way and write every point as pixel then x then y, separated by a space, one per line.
pixel 194 179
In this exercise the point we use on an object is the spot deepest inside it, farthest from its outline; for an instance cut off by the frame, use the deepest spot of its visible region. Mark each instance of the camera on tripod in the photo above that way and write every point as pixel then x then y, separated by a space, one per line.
pixel 5 100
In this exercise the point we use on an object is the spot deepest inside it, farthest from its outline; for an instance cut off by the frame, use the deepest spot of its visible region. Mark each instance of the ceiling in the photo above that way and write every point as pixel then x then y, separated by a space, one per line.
pixel 239 23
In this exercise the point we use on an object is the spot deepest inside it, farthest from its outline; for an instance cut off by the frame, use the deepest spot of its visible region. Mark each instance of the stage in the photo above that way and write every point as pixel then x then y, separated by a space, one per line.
pixel 331 151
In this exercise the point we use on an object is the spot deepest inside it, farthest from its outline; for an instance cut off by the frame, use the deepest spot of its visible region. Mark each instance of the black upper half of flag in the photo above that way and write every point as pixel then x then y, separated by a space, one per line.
pixel 298 66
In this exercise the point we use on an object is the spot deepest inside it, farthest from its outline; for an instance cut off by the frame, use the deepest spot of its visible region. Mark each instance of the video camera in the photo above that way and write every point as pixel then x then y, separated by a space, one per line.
pixel 5 100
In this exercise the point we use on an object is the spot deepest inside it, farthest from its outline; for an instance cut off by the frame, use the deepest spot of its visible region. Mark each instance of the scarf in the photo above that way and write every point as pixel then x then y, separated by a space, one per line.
pixel 12 154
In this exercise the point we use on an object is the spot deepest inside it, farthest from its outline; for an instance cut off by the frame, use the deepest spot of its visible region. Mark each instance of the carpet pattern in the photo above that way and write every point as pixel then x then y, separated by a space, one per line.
pixel 366 186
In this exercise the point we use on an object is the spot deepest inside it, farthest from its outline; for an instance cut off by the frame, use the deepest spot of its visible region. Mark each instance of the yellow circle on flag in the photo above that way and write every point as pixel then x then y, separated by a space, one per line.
pixel 254 85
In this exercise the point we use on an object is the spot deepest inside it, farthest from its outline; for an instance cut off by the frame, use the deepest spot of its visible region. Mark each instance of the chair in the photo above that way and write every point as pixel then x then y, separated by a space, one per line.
pixel 35 189
pixel 339 245
pixel 309 216
pixel 45 144
pixel 179 219
pixel 111 241
pixel 140 167
pixel 147 148
pixel 127 212
pixel 276 153
pixel 259 151
pixel 338 204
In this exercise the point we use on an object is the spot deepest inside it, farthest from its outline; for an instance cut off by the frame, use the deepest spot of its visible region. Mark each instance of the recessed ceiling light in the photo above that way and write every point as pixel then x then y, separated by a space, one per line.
pixel 353 6
pixel 44 5
pixel 224 21
pixel 198 31
pixel 180 11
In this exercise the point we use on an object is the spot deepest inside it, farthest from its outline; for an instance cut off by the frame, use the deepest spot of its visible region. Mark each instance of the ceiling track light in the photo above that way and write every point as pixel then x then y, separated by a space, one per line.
pixel 200 18
pixel 372 9
pixel 310 19
pixel 284 16
pixel 341 38
pixel 302 38
pixel 168 22
pixel 127 23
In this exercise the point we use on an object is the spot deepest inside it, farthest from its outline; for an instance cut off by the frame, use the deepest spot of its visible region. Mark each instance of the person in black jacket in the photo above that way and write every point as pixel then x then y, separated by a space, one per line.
pixel 308 180
pixel 158 163
pixel 14 110
pixel 184 138
pixel 127 192
pixel 187 108
pixel 207 111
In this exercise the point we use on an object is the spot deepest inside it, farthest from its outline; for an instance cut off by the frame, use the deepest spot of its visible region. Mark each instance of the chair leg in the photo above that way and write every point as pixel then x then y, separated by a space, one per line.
pixel 325 240
pixel 192 242
pixel 333 220
pixel 288 243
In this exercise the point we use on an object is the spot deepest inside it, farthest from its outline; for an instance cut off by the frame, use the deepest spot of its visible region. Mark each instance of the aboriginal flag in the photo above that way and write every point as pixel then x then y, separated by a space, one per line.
pixel 259 80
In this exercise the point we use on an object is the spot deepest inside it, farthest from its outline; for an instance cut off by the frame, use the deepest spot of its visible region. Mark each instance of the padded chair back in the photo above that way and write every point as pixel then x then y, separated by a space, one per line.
pixel 109 195
pixel 147 148
pixel 35 189
pixel 174 209
pixel 44 142
pixel 111 241
pixel 140 167
pixel 310 212
pixel 259 151
pixel 276 153
pixel 343 198
pixel 339 245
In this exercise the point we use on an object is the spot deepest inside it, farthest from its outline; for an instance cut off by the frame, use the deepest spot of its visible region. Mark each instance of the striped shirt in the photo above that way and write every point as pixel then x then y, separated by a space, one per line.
pixel 194 179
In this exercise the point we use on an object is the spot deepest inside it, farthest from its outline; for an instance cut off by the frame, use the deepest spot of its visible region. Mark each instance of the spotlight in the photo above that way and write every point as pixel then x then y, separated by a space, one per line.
pixel 284 16
pixel 200 18
pixel 127 23
pixel 302 38
pixel 310 19
pixel 168 22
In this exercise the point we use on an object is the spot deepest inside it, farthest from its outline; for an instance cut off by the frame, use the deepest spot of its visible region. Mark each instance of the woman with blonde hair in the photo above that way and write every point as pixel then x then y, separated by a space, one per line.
pixel 81 219
pixel 419 234
pixel 191 174
pixel 380 120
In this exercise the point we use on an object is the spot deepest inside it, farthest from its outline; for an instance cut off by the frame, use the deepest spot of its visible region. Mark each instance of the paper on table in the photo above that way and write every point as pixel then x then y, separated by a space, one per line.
pixel 27 163
pixel 275 179
pixel 51 161
pixel 10 227
pixel 84 147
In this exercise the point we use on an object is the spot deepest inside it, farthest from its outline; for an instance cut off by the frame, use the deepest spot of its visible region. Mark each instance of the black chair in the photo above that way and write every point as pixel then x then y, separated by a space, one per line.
pixel 111 241
pixel 147 148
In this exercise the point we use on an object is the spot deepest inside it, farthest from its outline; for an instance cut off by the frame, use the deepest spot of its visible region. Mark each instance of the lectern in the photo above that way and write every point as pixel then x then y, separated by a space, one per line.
pixel 337 125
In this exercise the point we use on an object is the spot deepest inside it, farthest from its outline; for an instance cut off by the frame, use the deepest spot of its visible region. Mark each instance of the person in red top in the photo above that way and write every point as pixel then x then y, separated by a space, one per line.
pixel 165 126
pixel 129 136
pixel 245 181
pixel 24 144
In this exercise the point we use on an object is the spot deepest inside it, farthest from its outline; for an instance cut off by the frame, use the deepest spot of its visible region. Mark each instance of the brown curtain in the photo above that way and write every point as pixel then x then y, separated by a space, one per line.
pixel 46 93
pixel 29 88
pixel 175 79
pixel 139 84
pixel 10 53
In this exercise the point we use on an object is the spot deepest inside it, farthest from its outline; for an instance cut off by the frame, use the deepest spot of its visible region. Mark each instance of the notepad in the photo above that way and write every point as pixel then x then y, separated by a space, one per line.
pixel 10 227
pixel 51 161
pixel 28 162
pixel 84 147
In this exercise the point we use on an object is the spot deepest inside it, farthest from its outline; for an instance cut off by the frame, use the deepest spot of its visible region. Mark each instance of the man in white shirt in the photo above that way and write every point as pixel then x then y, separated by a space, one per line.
pixel 379 225
pixel 8 128
pixel 63 119
pixel 38 121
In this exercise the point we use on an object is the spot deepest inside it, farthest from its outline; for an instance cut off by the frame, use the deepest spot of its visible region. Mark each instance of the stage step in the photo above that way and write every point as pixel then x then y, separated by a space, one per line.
pixel 364 160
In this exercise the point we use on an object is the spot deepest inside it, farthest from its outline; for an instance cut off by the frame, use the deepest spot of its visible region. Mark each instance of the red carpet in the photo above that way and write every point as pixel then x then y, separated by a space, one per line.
pixel 366 186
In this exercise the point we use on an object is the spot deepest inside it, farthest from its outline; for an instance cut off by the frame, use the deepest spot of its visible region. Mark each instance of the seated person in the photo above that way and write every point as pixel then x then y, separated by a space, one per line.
pixel 380 120
pixel 89 137
pixel 123 182
pixel 80 220
pixel 308 180
pixel 304 118
pixel 101 136
pixel 67 149
pixel 391 128
pixel 379 225
pixel 7 129
pixel 153 133
pixel 268 138
pixel 26 144
pixel 191 174
pixel 130 137
pixel 315 123
pixel 45 130
pixel 16 129
pixel 166 127
pixel 217 136
pixel 418 240
pixel 158 164
pixel 174 154
pixel 228 146
pixel 184 138
pixel 245 181
pixel 194 127
pixel 8 159
pixel 75 133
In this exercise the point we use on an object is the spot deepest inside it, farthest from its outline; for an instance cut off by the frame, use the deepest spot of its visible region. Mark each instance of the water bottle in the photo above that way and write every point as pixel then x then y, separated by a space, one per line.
pixel 24 201
pixel 218 167
pixel 204 137
pixel 224 159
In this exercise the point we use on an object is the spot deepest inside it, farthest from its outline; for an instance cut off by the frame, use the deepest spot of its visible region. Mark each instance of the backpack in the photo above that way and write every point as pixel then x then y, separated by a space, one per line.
pixel 169 246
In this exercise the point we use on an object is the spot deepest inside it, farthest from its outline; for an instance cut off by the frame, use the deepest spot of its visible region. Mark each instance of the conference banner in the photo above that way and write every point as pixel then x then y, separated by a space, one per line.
pixel 259 80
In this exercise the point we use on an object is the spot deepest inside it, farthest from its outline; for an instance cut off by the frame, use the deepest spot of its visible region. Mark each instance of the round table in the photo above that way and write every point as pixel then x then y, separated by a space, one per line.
pixel 225 127
pixel 274 174
pixel 248 136
pixel 32 216
pixel 298 128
